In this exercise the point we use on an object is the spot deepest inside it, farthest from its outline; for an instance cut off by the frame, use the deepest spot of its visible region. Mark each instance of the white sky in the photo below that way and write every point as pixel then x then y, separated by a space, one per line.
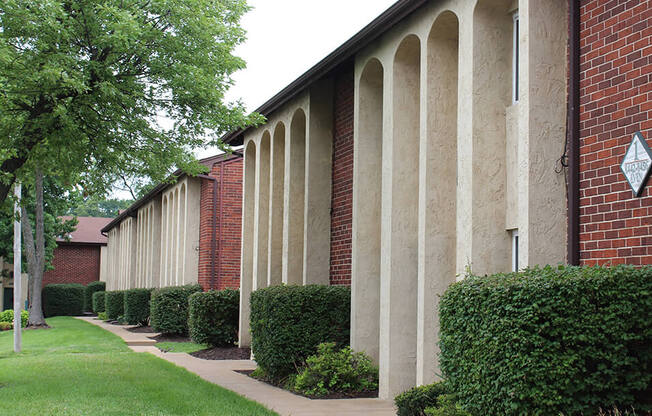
pixel 285 38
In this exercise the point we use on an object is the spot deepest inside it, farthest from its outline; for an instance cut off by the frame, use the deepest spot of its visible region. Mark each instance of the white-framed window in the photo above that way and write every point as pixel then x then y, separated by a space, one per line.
pixel 515 57
pixel 515 265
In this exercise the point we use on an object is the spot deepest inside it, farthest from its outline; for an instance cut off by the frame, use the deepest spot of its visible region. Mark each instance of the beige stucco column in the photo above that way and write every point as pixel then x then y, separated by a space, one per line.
pixel 319 148
pixel 437 186
pixel 399 249
pixel 276 207
pixel 246 268
pixel 367 181
pixel 293 223
pixel 261 213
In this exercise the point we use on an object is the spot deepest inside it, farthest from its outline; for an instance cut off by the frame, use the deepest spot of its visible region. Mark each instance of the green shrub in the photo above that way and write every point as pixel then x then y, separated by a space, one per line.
pixel 332 371
pixel 549 340
pixel 63 300
pixel 8 316
pixel 102 316
pixel 6 326
pixel 136 306
pixel 91 288
pixel 415 401
pixel 99 301
pixel 448 406
pixel 213 317
pixel 114 302
pixel 169 309
pixel 289 322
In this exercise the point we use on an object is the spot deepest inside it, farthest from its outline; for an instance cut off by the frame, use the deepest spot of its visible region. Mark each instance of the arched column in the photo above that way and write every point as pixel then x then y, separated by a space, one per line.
pixel 293 234
pixel 164 240
pixel 181 235
pixel 365 262
pixel 246 269
pixel 399 249
pixel 276 209
pixel 437 186
pixel 261 213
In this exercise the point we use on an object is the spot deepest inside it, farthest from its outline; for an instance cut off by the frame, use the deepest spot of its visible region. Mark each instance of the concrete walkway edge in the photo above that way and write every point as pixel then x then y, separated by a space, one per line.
pixel 223 373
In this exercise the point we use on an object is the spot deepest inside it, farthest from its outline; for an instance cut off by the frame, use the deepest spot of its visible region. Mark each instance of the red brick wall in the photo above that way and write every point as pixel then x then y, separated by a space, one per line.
pixel 228 228
pixel 74 263
pixel 615 94
pixel 342 192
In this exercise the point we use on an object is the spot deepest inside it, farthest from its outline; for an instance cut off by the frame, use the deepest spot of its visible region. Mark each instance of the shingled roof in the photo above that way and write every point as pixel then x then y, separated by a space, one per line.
pixel 88 231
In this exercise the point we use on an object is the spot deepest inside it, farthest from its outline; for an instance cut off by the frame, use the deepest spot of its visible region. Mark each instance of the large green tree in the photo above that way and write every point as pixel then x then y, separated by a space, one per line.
pixel 95 206
pixel 115 88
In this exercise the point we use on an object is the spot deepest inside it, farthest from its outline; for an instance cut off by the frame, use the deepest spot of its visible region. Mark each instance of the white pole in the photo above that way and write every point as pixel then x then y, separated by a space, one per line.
pixel 17 272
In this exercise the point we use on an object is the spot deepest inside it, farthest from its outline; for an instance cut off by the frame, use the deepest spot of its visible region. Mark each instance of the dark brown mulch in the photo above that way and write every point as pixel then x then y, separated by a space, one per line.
pixel 333 396
pixel 141 330
pixel 229 353
pixel 169 338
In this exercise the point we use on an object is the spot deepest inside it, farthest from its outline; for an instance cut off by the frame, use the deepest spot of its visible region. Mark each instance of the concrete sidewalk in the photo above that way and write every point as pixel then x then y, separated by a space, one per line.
pixel 223 373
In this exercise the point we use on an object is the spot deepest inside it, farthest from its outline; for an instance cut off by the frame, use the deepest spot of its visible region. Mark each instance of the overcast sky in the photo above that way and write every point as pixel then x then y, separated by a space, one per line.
pixel 285 38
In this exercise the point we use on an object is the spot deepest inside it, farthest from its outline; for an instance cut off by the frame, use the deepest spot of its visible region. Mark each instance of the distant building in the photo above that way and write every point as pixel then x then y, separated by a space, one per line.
pixel 77 259
pixel 183 232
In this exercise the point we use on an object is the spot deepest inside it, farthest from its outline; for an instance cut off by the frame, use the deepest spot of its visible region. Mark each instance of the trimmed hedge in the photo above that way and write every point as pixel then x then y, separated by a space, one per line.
pixel 114 302
pixel 415 401
pixel 63 299
pixel 8 316
pixel 213 317
pixel 99 304
pixel 91 288
pixel 289 322
pixel 136 306
pixel 549 340
pixel 169 309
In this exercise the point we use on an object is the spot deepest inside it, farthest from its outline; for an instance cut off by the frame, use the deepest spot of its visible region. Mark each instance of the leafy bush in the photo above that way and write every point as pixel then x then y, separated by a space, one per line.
pixel 114 303
pixel 99 301
pixel 63 300
pixel 549 340
pixel 6 326
pixel 102 316
pixel 8 316
pixel 448 406
pixel 91 288
pixel 289 322
pixel 333 371
pixel 415 401
pixel 136 306
pixel 169 309
pixel 213 317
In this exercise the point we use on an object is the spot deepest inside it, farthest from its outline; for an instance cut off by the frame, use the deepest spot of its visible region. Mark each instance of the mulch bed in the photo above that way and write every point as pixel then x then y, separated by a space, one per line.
pixel 141 330
pixel 229 353
pixel 332 396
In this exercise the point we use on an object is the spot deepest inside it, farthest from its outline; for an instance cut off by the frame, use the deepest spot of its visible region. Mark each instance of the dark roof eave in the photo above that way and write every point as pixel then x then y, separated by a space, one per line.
pixel 397 12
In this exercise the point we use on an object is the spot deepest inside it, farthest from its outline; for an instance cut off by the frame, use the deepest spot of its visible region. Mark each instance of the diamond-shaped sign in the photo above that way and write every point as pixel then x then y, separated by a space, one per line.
pixel 637 162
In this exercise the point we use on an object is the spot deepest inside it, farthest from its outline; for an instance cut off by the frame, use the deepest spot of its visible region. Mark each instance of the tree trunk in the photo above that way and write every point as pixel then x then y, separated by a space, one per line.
pixel 35 250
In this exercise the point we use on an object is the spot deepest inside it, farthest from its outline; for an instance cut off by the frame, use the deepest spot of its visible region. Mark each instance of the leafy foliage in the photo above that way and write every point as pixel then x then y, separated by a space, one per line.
pixel 6 326
pixel 169 309
pixel 415 401
pixel 63 299
pixel 114 302
pixel 136 306
pixel 333 371
pixel 549 340
pixel 91 288
pixel 84 83
pixel 8 316
pixel 102 316
pixel 99 302
pixel 96 206
pixel 289 322
pixel 213 317
pixel 448 406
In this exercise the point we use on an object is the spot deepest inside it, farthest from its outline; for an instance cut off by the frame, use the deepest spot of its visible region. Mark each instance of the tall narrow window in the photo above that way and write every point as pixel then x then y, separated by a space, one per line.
pixel 515 59
pixel 515 250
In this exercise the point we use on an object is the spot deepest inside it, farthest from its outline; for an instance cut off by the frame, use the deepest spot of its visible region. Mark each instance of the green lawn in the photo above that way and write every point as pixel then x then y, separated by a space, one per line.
pixel 186 347
pixel 76 368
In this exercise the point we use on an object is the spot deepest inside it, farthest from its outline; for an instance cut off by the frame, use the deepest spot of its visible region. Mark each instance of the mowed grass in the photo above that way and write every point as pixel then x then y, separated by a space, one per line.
pixel 76 368
pixel 186 347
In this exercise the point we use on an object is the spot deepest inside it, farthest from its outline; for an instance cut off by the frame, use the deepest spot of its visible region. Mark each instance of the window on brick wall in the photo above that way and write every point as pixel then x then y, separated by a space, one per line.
pixel 515 58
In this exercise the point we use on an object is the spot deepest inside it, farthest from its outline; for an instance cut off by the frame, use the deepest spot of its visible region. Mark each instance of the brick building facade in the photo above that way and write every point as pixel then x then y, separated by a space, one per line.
pixel 615 103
